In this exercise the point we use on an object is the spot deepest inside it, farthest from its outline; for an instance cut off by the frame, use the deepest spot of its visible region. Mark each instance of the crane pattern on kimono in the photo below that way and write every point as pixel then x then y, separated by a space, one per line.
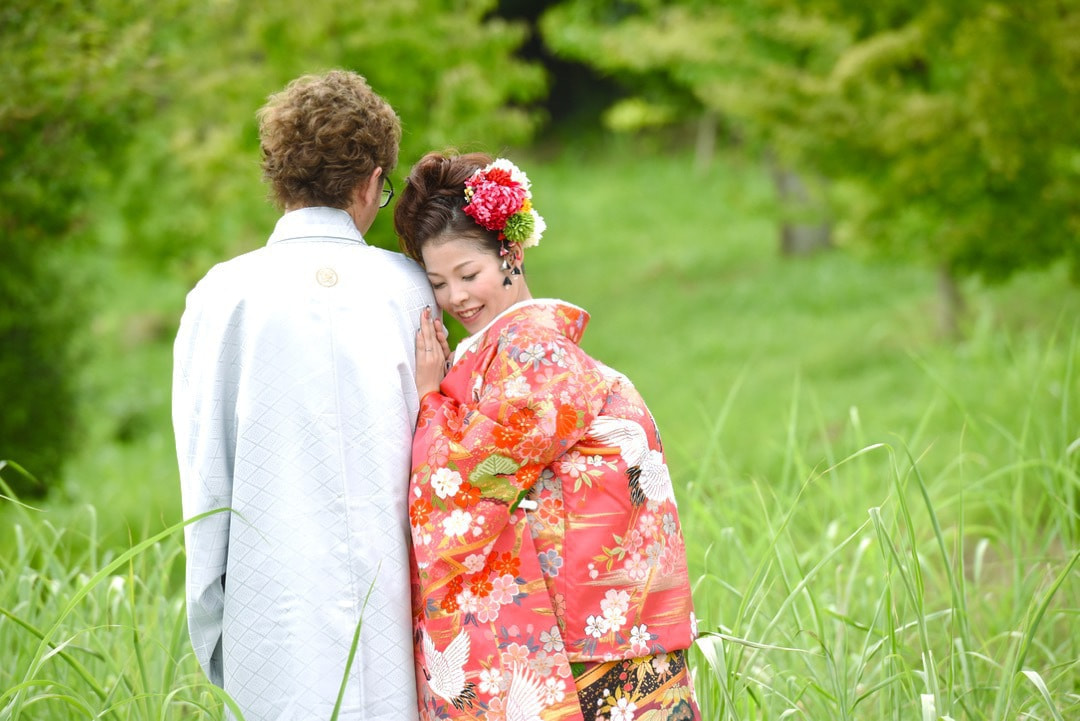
pixel 648 474
pixel 445 670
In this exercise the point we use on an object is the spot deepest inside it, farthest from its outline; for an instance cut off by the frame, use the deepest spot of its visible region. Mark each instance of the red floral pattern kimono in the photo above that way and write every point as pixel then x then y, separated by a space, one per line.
pixel 545 531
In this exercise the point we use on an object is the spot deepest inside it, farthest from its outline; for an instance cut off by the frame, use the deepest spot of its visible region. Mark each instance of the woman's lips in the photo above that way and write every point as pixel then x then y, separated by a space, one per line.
pixel 467 315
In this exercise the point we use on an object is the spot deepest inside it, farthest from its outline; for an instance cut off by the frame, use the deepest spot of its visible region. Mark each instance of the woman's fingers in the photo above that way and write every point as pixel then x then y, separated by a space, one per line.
pixel 426 341
pixel 427 332
pixel 421 341
pixel 430 367
pixel 441 334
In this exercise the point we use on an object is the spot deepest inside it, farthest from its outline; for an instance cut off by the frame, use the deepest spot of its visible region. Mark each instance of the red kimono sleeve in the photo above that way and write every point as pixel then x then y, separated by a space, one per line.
pixel 517 406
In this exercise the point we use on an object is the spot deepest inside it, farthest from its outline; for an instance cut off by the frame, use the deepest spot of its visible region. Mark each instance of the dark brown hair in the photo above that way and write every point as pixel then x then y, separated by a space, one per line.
pixel 431 204
pixel 322 136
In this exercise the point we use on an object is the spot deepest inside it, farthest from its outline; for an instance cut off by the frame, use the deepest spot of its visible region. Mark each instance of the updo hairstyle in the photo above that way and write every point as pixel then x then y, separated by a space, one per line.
pixel 322 136
pixel 430 205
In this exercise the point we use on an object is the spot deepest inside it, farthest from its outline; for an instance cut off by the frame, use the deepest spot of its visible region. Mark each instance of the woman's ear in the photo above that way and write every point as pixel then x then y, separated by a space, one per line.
pixel 517 255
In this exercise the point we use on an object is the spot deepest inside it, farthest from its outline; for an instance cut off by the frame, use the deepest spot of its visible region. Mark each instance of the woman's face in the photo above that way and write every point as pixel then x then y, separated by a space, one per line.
pixel 468 282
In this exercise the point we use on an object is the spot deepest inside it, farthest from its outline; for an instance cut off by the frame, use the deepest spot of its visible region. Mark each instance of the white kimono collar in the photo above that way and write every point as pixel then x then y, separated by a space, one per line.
pixel 466 344
pixel 326 224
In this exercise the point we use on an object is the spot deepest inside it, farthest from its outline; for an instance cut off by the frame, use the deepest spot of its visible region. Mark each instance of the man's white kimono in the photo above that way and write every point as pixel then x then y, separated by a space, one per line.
pixel 294 405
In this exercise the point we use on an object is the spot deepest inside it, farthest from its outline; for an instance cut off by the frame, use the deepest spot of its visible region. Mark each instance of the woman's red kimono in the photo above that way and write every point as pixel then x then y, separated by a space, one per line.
pixel 544 526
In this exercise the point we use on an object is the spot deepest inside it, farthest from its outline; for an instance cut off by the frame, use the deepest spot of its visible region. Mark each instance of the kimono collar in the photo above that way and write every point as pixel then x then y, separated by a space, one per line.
pixel 318 223
pixel 565 318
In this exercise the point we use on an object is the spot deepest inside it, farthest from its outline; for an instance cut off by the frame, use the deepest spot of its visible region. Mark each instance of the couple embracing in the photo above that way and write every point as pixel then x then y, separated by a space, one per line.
pixel 389 527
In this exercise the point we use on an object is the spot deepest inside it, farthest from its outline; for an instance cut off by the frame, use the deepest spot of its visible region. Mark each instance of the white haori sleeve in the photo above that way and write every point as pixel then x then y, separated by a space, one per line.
pixel 204 403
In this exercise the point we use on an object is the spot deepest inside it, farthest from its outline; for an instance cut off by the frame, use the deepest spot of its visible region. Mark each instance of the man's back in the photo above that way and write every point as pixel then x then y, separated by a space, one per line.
pixel 294 406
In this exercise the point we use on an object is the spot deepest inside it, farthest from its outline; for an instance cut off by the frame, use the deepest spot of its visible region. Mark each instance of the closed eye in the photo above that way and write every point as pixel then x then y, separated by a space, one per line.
pixel 469 277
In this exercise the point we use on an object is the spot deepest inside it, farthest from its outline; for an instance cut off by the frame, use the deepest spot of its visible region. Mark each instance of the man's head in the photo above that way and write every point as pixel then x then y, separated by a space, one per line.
pixel 325 139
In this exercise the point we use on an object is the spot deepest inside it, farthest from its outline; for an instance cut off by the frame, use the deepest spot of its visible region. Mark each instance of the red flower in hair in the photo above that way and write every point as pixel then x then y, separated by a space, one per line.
pixel 492 201
pixel 499 199
pixel 500 176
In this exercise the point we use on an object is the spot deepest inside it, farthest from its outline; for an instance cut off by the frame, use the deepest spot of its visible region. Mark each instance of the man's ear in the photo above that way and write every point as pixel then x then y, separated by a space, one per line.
pixel 371 190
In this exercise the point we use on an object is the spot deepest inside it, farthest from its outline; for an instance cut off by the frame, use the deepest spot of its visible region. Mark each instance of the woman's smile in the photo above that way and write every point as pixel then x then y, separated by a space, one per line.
pixel 470 282
pixel 466 315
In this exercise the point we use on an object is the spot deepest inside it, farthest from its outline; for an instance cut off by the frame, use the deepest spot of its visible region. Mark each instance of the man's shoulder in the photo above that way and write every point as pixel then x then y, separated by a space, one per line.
pixel 225 273
pixel 275 268
pixel 390 269
pixel 394 259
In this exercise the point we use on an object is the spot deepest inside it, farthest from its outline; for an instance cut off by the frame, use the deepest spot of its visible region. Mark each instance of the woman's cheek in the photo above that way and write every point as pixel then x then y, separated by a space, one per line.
pixel 442 297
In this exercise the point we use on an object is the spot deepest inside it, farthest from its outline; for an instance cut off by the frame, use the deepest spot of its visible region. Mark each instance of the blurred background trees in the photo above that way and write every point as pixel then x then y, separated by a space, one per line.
pixel 943 133
pixel 128 137
pixel 75 81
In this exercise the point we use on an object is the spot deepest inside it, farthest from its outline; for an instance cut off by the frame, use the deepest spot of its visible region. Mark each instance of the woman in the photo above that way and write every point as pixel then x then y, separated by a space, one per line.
pixel 549 567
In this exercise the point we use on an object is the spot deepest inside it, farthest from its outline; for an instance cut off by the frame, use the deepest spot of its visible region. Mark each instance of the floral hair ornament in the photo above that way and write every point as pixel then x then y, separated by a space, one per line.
pixel 499 199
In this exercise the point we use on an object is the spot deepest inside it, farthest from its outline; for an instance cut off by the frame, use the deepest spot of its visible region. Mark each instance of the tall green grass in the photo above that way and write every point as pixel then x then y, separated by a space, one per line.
pixel 881 523
pixel 94 633
pixel 954 595
pixel 111 645
pixel 939 601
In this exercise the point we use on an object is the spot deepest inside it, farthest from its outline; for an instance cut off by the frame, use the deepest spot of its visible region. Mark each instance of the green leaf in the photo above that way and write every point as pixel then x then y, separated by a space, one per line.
pixel 489 476
pixel 494 465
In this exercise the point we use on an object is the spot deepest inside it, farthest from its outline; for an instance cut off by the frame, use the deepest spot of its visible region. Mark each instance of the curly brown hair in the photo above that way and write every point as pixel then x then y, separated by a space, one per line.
pixel 430 205
pixel 323 135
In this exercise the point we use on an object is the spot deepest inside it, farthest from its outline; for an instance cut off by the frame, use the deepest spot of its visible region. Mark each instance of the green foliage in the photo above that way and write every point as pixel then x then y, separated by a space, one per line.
pixel 947 129
pixel 37 363
pixel 191 189
pixel 95 633
pixel 832 572
pixel 832 604
pixel 128 131
pixel 845 586
pixel 72 75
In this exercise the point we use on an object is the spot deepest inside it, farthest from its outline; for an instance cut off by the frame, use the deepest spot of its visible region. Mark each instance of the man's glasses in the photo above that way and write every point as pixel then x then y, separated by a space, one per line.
pixel 387 191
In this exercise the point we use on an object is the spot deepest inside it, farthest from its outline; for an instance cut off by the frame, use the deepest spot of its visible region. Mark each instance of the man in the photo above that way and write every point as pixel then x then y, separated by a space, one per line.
pixel 294 406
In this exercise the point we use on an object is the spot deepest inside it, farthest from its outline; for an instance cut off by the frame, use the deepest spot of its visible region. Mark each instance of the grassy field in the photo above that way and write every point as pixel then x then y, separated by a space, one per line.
pixel 882 523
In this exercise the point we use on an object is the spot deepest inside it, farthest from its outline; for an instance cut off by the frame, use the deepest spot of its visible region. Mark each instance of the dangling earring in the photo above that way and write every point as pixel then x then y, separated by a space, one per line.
pixel 504 251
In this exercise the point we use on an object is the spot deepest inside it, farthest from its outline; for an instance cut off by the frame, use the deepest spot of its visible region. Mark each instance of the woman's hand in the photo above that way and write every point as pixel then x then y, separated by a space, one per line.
pixel 432 353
